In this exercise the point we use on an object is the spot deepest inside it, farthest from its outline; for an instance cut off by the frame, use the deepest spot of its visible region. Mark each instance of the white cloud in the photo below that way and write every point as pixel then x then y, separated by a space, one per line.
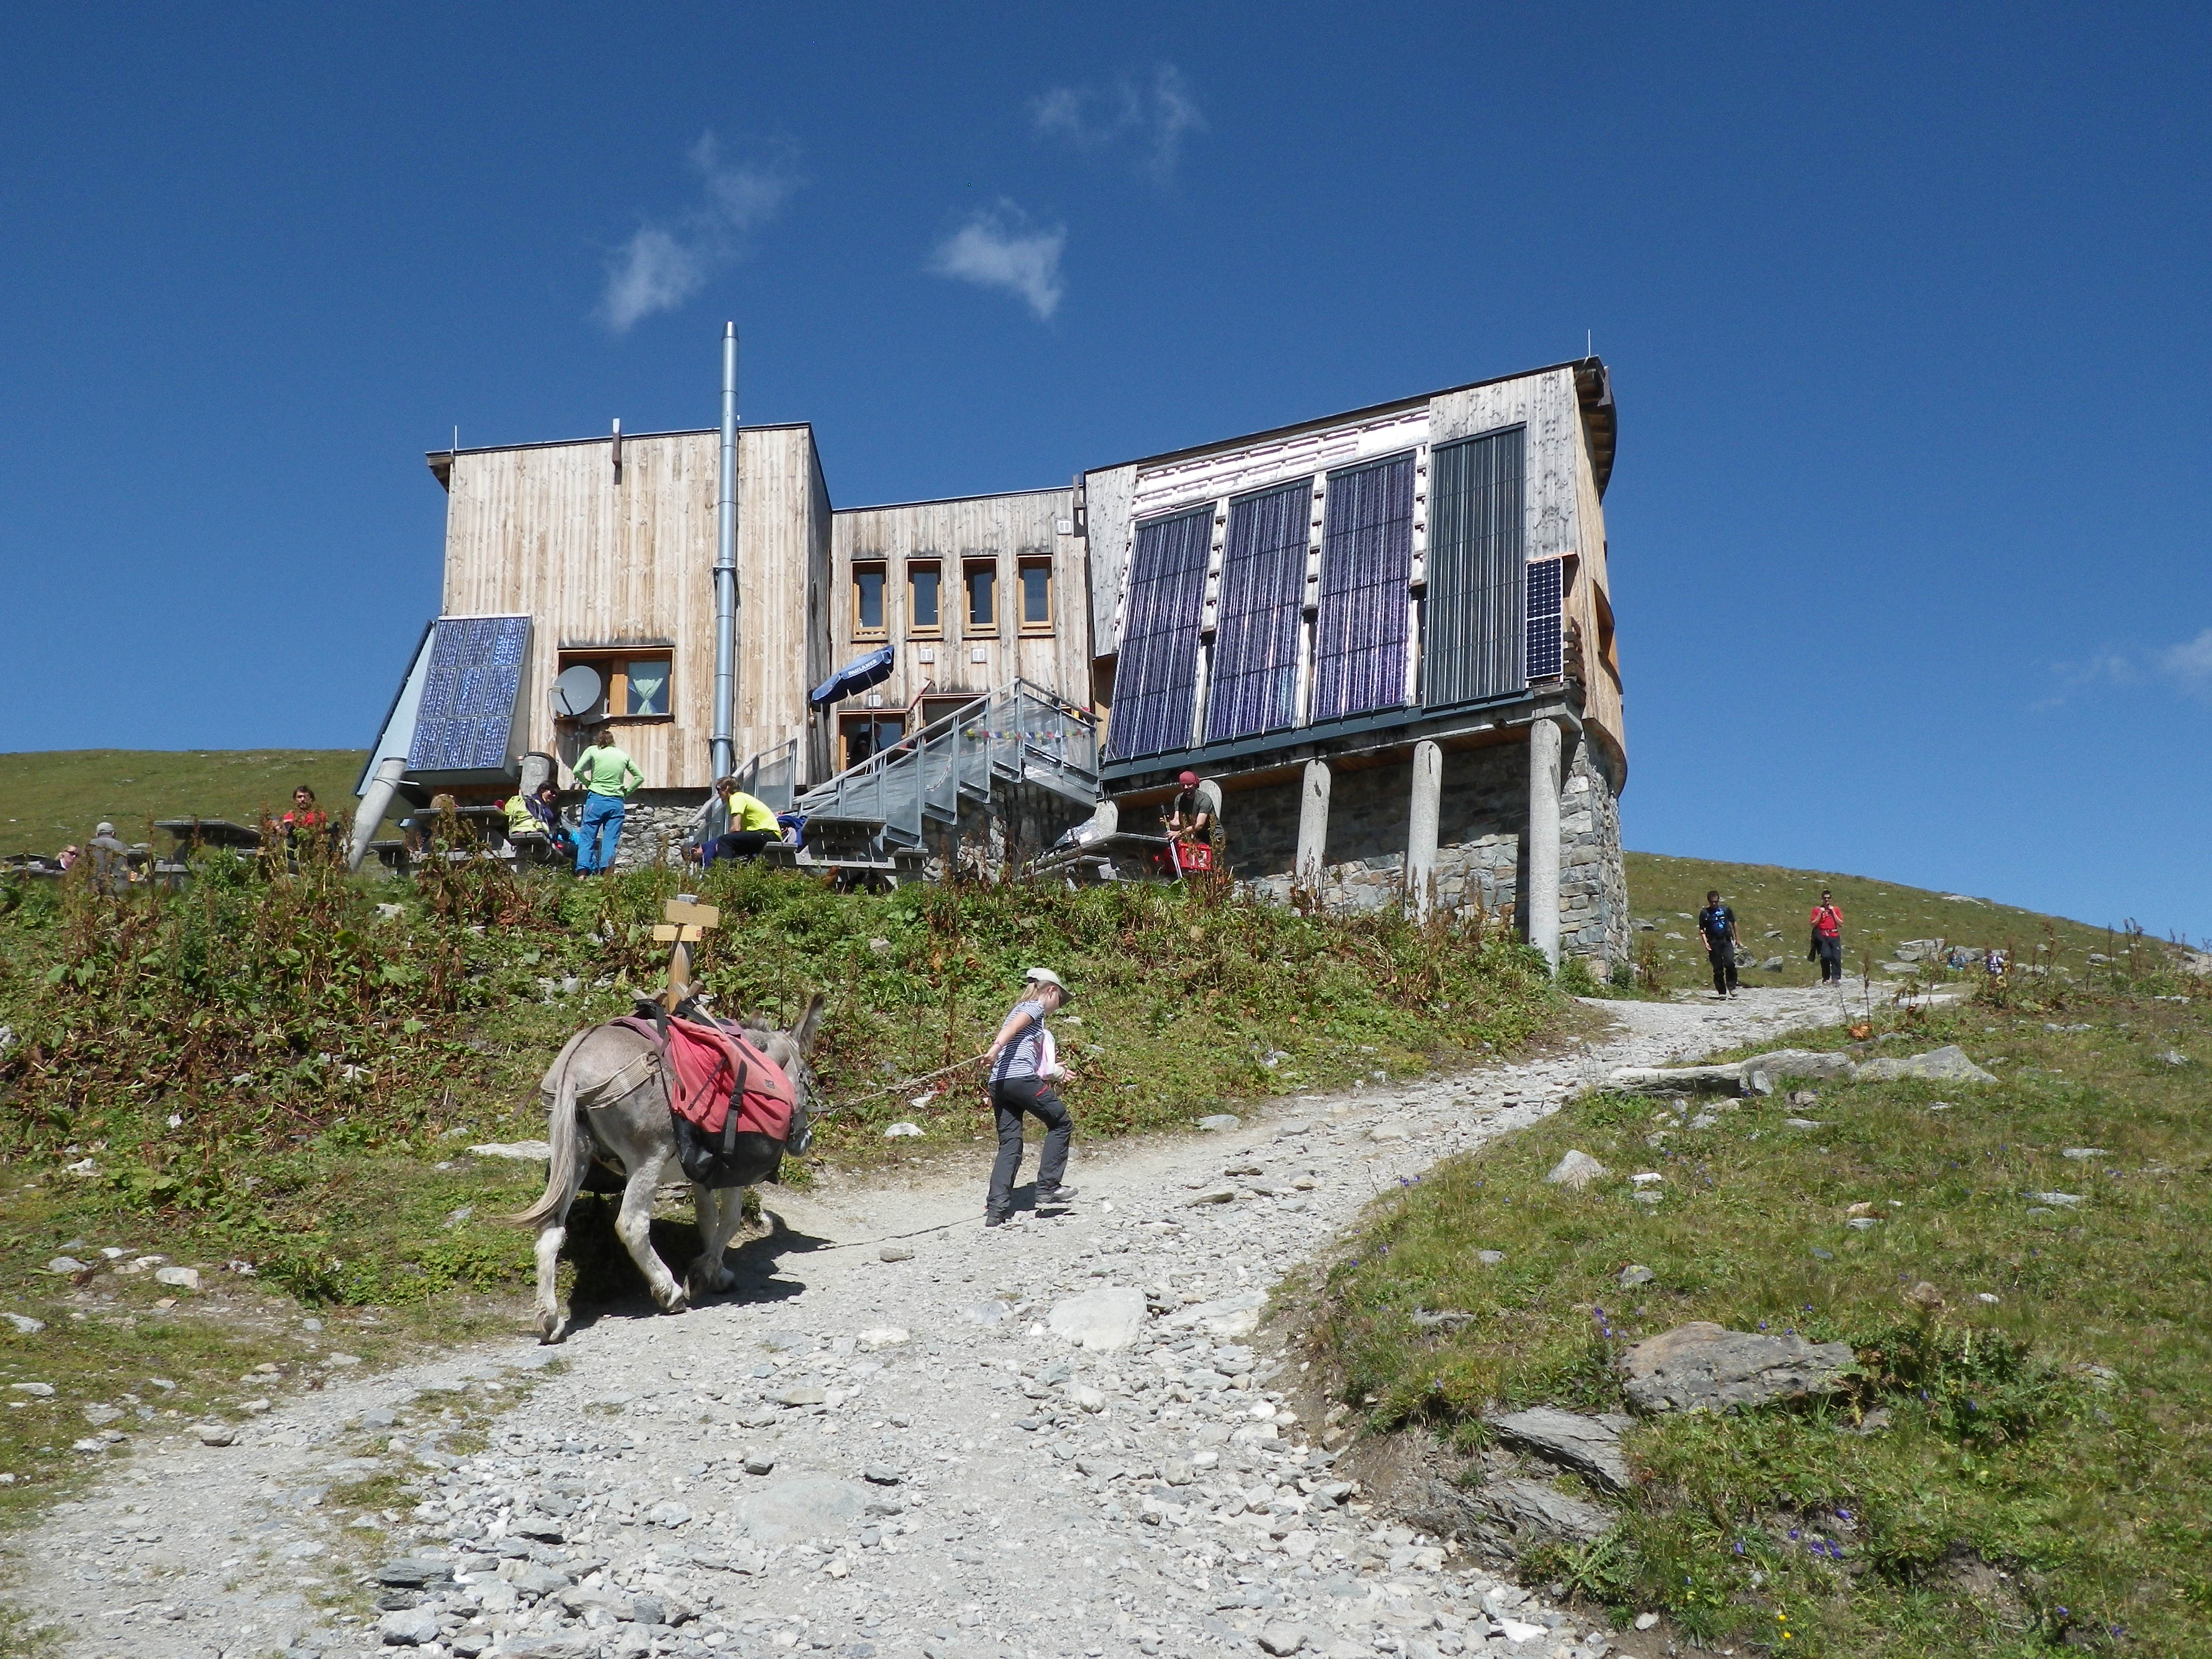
pixel 662 265
pixel 998 248
pixel 656 270
pixel 1156 117
pixel 2189 664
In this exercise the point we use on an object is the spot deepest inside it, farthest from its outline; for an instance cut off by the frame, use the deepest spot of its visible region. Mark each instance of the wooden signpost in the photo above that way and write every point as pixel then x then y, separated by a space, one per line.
pixel 688 921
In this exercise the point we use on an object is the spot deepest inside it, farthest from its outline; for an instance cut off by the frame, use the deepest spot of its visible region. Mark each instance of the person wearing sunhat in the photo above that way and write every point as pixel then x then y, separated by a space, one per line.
pixel 1018 1085
pixel 111 859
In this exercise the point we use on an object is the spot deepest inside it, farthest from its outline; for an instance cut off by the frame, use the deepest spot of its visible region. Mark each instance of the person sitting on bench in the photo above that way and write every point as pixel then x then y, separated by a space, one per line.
pixel 538 816
pixel 732 825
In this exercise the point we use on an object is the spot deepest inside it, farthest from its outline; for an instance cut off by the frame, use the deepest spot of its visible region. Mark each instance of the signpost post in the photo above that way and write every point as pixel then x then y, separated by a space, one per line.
pixel 687 922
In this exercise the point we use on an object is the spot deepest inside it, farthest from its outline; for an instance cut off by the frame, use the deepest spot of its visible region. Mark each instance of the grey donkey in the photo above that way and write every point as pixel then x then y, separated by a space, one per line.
pixel 607 1103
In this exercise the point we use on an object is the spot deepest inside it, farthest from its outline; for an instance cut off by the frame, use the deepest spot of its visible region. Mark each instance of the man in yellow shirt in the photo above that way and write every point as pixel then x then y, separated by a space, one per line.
pixel 606 776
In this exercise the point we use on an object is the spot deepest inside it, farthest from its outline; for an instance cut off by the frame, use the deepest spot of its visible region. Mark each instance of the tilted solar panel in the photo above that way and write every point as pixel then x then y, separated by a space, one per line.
pixel 467 718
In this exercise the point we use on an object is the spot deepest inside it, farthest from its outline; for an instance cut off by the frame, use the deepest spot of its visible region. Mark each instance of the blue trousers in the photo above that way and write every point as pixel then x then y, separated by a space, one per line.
pixel 601 834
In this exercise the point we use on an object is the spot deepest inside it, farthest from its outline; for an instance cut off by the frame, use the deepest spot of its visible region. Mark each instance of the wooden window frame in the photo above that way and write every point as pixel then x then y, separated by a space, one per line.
pixel 881 570
pixel 612 663
pixel 1022 623
pixel 918 629
pixel 969 628
pixel 848 718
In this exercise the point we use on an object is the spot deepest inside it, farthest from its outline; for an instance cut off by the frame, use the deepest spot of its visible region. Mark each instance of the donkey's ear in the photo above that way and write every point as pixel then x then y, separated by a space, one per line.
pixel 809 1026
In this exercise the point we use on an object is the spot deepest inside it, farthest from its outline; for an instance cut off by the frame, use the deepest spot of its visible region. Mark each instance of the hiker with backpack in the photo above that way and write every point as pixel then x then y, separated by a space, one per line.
pixel 1717 926
pixel 1019 1084
pixel 1828 939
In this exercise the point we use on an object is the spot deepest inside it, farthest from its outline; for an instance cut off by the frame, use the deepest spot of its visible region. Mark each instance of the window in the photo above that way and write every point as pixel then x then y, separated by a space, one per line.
pixel 644 682
pixel 934 709
pixel 983 584
pixel 632 685
pixel 925 614
pixel 864 736
pixel 868 601
pixel 1037 595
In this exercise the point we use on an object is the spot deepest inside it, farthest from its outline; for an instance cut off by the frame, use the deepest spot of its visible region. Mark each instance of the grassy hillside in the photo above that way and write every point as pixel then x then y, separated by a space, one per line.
pixel 50 798
pixel 1768 898
pixel 2019 1465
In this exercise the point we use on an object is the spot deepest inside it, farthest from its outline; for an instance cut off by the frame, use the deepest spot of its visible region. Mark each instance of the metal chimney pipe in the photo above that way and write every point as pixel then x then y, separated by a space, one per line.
pixel 725 567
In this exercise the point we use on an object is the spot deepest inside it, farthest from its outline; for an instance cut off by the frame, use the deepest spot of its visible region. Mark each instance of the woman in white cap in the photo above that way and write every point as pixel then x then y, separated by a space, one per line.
pixel 1017 1085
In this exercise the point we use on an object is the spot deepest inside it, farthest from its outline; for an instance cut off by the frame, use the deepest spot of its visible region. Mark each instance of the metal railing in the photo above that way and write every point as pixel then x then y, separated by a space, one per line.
pixel 1018 733
pixel 771 777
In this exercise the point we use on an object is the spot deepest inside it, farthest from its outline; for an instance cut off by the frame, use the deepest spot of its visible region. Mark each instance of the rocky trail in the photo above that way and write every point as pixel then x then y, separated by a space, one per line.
pixel 901 1435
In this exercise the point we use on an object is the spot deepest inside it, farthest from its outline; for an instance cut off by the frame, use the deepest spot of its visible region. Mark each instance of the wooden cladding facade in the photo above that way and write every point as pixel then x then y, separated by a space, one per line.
pixel 605 561
pixel 957 538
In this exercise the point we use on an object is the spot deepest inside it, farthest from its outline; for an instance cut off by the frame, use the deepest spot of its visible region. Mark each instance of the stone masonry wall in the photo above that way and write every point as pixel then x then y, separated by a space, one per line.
pixel 1482 825
pixel 1593 922
pixel 655 823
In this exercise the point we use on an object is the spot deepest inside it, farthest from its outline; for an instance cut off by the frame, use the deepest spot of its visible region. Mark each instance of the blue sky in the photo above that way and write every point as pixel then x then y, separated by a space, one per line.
pixel 1905 309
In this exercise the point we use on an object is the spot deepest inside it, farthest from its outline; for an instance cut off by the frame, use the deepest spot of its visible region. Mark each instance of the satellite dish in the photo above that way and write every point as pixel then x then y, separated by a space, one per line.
pixel 576 694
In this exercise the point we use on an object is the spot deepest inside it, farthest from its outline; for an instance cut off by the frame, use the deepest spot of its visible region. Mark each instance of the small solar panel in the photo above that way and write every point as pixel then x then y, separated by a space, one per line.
pixel 466 720
pixel 1543 614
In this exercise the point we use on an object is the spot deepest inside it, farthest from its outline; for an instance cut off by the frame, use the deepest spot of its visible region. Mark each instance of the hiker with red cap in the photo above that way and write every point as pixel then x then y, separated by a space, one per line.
pixel 1190 828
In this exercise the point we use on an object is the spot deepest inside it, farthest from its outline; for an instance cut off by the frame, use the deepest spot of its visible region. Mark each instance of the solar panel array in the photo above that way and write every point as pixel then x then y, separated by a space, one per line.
pixel 467 715
pixel 1544 597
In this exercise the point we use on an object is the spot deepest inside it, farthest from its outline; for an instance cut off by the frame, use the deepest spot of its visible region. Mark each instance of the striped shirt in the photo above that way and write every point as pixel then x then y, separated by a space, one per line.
pixel 1018 1059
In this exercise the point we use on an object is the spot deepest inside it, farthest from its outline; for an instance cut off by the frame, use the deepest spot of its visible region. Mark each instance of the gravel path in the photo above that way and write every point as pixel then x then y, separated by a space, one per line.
pixel 871 1457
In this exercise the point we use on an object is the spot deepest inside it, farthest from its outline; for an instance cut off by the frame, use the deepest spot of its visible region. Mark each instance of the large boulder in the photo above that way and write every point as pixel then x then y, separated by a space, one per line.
pixel 1576 1172
pixel 1703 1366
pixel 1948 1064
pixel 1101 1320
pixel 1581 1443
pixel 1510 1516
pixel 1762 1073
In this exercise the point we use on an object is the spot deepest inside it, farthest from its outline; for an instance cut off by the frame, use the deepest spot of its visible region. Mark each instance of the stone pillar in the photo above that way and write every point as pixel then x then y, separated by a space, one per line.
pixel 1543 920
pixel 1313 825
pixel 1421 832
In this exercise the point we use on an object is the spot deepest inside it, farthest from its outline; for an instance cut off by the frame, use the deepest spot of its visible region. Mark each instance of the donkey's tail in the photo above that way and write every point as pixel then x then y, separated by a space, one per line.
pixel 565 1133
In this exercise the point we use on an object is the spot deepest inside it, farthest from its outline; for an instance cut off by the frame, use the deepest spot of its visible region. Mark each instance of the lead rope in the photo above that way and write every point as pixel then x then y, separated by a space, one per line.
pixel 895 1088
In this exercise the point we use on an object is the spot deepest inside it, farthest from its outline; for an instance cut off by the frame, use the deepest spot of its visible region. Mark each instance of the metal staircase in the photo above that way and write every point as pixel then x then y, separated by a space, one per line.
pixel 1018 734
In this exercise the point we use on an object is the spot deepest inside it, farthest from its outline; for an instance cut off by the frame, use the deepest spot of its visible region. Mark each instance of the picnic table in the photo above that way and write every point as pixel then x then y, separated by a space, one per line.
pixel 210 832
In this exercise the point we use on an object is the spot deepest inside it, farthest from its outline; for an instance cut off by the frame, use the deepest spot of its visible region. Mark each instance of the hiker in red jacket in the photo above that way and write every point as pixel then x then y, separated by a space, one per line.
pixel 1828 939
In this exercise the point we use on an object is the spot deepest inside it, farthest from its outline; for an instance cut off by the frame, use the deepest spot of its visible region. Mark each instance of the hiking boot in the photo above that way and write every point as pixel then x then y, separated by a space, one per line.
pixel 1056 1194
pixel 994 1218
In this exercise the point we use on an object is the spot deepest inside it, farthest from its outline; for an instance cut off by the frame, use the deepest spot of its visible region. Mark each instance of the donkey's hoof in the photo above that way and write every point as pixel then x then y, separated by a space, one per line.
pixel 677 1302
pixel 705 1280
pixel 551 1329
